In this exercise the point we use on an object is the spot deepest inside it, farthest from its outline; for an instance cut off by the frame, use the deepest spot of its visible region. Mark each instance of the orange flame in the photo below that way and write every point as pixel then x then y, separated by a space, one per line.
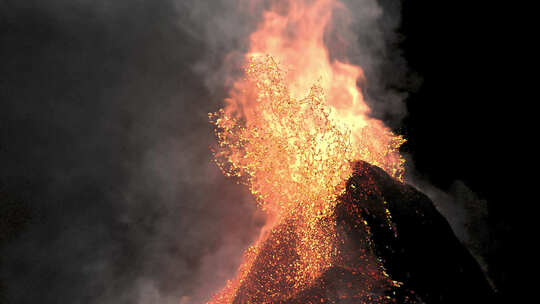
pixel 290 135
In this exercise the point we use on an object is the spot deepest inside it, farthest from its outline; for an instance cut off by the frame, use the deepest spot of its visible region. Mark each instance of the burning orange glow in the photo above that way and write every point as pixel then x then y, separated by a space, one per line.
pixel 290 131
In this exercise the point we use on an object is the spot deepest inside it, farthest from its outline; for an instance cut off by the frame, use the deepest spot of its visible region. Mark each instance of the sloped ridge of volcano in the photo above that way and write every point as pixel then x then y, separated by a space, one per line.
pixel 393 247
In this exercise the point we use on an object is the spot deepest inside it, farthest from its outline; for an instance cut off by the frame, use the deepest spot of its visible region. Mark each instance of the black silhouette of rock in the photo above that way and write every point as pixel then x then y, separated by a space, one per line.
pixel 394 247
pixel 414 241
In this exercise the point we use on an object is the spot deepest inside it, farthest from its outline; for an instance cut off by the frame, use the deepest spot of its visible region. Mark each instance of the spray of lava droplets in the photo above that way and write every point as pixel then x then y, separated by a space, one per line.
pixel 290 130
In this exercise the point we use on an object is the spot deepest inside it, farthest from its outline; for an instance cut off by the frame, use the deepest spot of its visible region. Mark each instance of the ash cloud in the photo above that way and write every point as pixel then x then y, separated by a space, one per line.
pixel 104 150
pixel 107 187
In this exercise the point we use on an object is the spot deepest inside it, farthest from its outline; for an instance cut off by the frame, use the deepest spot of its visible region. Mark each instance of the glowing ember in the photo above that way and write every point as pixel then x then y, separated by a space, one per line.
pixel 291 136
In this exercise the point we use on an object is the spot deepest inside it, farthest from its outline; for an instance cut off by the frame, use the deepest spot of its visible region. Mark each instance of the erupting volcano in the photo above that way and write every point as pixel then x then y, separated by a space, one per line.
pixel 297 131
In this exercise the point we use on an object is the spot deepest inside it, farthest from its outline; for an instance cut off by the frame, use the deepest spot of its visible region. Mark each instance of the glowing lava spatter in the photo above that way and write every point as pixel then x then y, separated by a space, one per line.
pixel 290 135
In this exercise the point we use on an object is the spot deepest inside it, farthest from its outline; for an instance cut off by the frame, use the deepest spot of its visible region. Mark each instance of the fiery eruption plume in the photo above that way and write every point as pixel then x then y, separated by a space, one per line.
pixel 290 131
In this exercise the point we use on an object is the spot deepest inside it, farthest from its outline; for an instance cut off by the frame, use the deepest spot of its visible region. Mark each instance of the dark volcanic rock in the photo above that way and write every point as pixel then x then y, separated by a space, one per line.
pixel 394 247
pixel 414 241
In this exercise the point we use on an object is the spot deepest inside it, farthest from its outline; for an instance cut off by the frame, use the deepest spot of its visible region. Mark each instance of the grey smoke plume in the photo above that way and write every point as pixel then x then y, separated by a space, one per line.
pixel 465 211
pixel 104 143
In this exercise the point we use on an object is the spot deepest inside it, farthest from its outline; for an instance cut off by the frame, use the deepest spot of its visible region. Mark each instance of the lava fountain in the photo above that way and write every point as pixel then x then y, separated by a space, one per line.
pixel 290 130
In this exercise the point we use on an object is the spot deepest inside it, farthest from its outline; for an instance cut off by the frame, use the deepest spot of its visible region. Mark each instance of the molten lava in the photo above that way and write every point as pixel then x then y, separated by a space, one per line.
pixel 290 131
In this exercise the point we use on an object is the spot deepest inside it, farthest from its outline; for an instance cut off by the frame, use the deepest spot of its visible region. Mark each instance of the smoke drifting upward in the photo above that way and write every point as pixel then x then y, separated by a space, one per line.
pixel 104 148
pixel 107 184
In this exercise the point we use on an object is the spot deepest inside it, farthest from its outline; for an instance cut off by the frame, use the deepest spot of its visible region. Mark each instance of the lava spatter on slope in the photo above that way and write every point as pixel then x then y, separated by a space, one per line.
pixel 296 161
pixel 289 131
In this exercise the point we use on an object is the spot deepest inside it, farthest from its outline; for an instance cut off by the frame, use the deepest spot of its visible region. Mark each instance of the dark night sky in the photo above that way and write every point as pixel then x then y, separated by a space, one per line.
pixel 107 191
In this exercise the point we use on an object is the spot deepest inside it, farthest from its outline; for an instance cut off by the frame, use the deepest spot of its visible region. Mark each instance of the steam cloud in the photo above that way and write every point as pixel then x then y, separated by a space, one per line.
pixel 104 143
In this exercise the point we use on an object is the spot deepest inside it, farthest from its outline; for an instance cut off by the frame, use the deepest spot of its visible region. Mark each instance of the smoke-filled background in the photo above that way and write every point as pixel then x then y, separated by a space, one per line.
pixel 107 189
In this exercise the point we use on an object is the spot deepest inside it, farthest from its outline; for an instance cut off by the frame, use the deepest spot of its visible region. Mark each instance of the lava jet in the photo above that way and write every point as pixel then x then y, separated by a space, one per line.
pixel 342 226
